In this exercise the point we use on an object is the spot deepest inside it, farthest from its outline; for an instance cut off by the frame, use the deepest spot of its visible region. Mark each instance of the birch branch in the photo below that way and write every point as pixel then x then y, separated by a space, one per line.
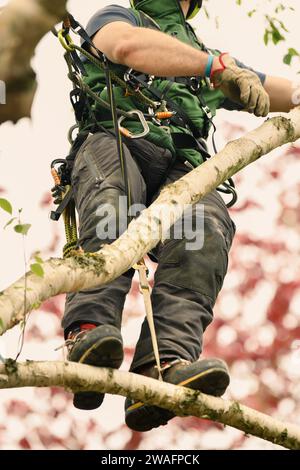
pixel 23 23
pixel 85 271
pixel 181 400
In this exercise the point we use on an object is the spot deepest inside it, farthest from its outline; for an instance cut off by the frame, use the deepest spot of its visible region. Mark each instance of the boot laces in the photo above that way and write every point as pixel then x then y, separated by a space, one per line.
pixel 168 364
pixel 73 338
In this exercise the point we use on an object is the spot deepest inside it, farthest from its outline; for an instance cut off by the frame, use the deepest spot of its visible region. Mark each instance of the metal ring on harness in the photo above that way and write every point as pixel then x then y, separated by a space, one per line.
pixel 70 133
pixel 194 84
pixel 143 121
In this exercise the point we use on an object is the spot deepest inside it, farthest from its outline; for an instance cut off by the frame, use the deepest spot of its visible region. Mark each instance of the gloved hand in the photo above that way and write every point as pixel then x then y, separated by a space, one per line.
pixel 241 86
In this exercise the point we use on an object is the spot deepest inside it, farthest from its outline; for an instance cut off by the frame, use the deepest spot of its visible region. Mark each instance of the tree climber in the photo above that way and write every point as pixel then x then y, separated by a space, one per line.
pixel 154 49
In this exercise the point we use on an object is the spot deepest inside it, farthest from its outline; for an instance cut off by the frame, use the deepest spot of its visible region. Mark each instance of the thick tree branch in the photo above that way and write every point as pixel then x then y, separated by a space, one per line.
pixel 91 270
pixel 181 400
pixel 23 23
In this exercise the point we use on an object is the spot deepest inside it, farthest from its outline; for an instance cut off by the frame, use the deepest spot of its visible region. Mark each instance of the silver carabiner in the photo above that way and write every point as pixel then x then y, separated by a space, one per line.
pixel 143 121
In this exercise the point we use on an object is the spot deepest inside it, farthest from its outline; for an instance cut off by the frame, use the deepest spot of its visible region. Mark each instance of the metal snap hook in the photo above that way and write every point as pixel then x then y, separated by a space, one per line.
pixel 143 121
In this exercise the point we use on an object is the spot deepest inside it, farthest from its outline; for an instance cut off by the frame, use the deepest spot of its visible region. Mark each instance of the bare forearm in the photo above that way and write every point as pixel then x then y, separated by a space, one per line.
pixel 157 54
pixel 283 94
pixel 151 52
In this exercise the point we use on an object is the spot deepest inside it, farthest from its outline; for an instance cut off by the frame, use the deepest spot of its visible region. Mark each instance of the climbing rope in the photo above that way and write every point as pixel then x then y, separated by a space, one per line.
pixel 68 44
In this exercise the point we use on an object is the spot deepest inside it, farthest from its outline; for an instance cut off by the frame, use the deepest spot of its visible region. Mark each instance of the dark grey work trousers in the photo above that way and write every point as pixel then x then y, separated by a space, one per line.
pixel 187 281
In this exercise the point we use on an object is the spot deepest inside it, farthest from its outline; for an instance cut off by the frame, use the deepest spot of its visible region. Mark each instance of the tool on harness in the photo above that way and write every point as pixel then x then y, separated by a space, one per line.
pixel 63 196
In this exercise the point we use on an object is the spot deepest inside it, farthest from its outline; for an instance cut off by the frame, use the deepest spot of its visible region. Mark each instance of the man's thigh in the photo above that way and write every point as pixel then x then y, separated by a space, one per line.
pixel 99 190
pixel 195 253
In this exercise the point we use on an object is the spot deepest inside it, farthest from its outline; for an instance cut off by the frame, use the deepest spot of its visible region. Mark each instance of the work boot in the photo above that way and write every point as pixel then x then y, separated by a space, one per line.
pixel 210 376
pixel 99 346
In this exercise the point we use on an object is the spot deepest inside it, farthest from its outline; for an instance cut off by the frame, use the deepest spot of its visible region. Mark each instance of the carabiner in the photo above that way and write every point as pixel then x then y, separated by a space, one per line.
pixel 65 40
pixel 143 121
pixel 70 133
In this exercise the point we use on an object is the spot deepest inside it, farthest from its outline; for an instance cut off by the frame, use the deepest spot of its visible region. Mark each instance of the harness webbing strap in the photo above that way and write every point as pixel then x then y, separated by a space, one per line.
pixel 180 118
pixel 145 289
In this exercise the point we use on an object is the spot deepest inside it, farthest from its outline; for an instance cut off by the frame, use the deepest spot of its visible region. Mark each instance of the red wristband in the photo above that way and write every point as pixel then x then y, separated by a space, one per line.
pixel 220 57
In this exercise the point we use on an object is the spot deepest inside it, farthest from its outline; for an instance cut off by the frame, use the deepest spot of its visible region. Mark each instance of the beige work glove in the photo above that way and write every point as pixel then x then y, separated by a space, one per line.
pixel 241 86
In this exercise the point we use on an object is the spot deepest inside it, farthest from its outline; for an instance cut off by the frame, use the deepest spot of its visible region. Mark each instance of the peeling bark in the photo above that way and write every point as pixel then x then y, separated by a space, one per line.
pixel 23 23
pixel 85 271
pixel 181 400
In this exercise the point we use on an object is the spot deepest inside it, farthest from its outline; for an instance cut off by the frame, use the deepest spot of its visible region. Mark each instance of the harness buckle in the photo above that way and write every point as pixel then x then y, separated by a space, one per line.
pixel 143 121
pixel 207 112
pixel 194 84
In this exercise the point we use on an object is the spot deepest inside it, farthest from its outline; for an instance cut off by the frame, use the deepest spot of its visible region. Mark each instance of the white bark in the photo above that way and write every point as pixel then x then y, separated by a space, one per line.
pixel 22 25
pixel 85 271
pixel 181 400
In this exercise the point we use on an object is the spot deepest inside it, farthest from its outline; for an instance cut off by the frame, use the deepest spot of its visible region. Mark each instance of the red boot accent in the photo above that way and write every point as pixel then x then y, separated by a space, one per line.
pixel 87 326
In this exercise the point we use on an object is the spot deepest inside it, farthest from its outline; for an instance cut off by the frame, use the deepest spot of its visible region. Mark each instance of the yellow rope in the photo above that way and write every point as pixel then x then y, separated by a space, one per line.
pixel 70 223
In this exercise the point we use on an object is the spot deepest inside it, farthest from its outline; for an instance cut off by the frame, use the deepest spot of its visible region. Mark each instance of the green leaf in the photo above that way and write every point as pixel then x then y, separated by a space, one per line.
pixel 287 59
pixel 38 259
pixel 277 36
pixel 6 205
pixel 290 55
pixel 251 13
pixel 37 269
pixel 22 228
pixel 9 222
pixel 266 37
pixel 293 52
pixel 283 26
pixel 1 325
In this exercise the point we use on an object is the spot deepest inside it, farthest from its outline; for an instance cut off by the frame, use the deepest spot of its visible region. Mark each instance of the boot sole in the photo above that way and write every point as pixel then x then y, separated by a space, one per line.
pixel 142 418
pixel 106 352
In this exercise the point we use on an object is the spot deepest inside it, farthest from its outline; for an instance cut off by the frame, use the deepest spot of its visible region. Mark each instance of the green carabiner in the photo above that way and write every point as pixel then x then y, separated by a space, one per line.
pixel 63 38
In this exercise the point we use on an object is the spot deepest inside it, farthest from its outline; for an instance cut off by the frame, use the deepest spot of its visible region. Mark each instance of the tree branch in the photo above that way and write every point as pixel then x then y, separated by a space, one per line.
pixel 181 400
pixel 85 271
pixel 23 23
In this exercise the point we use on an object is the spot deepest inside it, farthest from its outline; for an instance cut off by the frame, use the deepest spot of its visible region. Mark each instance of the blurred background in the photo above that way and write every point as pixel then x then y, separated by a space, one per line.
pixel 256 327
